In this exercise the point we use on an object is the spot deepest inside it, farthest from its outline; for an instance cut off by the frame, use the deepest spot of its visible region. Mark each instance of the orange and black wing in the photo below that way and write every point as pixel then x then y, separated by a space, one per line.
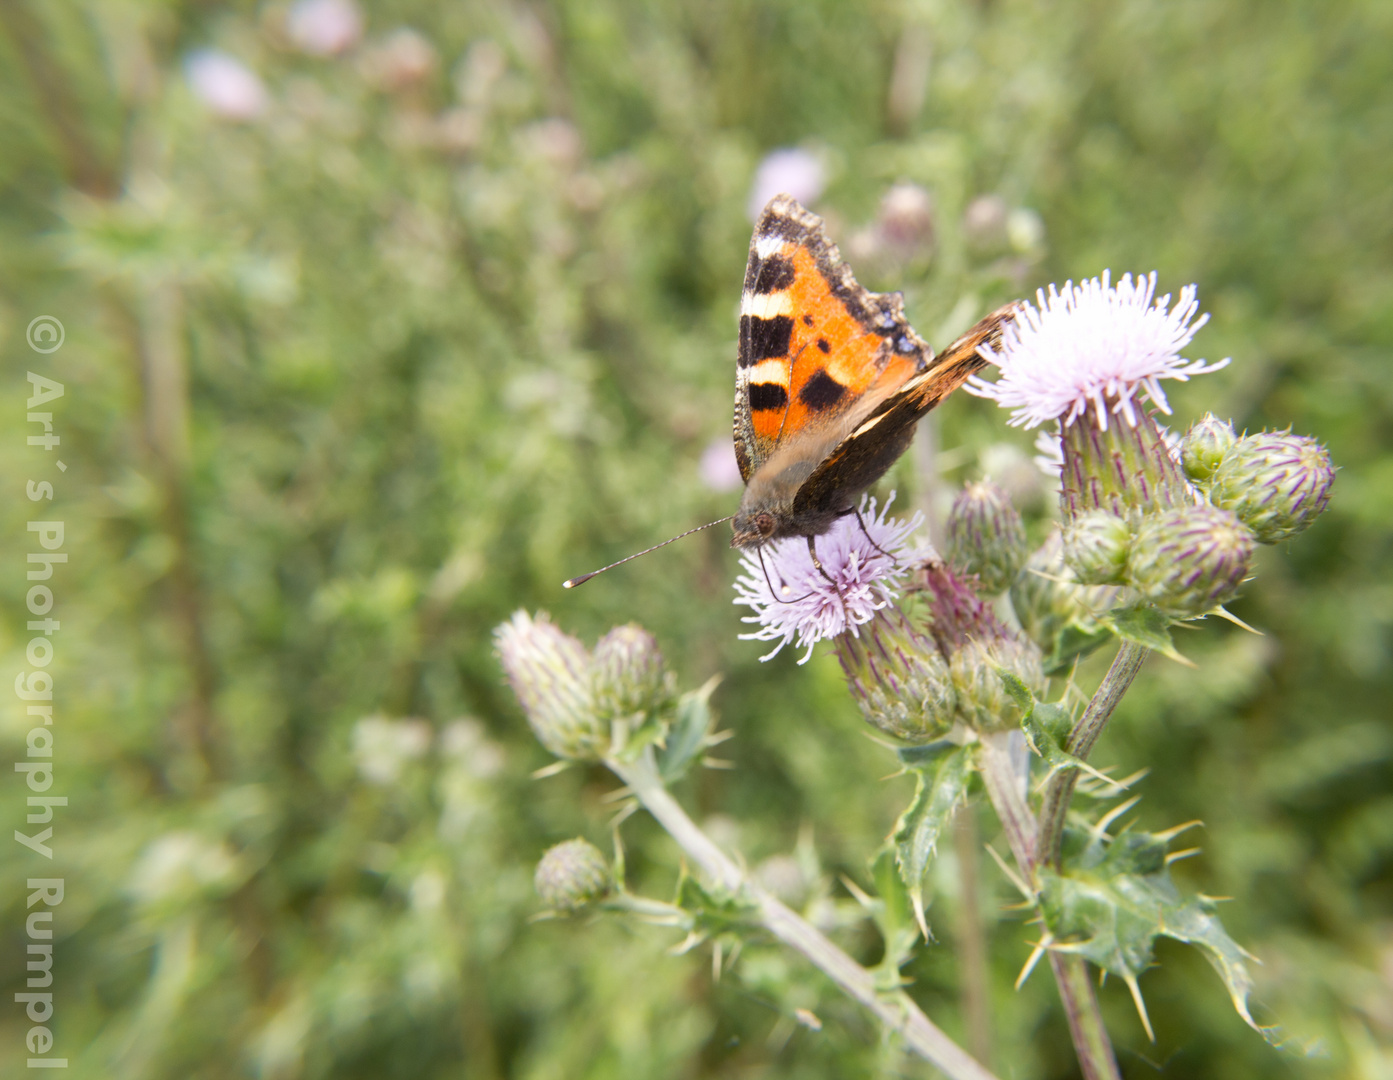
pixel 880 437
pixel 813 342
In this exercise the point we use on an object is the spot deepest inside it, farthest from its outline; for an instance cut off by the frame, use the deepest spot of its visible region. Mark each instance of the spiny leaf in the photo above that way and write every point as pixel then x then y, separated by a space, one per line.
pixel 937 794
pixel 688 735
pixel 892 914
pixel 1073 642
pixel 1144 625
pixel 1113 899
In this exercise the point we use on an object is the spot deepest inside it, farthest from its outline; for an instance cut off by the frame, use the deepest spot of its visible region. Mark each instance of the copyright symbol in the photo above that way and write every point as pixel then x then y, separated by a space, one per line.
pixel 45 334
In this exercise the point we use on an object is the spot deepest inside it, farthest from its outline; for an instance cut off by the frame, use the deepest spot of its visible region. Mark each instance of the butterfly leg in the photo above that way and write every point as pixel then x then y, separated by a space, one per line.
pixel 817 563
pixel 878 548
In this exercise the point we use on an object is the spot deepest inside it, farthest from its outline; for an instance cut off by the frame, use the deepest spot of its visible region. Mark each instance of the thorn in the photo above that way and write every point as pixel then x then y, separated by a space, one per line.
pixel 1102 977
pixel 1176 830
pixel 1035 955
pixel 1100 828
pixel 717 763
pixel 808 1019
pixel 716 962
pixel 1225 614
pixel 1011 875
pixel 1214 899
pixel 1176 856
pixel 1131 981
pixel 555 768
pixel 856 891
pixel 916 897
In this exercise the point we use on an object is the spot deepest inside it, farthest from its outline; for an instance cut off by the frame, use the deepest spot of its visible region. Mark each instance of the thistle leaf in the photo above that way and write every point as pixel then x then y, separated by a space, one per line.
pixel 689 733
pixel 939 790
pixel 1144 625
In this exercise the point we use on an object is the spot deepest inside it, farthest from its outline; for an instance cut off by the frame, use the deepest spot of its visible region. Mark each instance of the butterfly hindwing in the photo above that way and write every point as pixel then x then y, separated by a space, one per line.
pixel 813 343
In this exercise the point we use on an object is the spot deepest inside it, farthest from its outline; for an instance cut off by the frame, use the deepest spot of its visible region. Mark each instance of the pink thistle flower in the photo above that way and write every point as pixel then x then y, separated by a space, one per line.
pixel 795 601
pixel 1093 347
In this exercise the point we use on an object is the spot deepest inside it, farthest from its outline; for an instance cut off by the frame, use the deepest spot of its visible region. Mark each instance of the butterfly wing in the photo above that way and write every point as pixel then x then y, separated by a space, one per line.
pixel 813 343
pixel 876 439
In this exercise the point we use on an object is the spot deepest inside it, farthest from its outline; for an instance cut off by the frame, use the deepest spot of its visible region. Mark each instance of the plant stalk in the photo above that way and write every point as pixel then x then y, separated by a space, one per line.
pixel 1007 793
pixel 1060 789
pixel 897 1011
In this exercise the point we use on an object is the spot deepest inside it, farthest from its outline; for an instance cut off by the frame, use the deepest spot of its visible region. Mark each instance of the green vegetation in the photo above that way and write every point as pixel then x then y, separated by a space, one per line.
pixel 445 318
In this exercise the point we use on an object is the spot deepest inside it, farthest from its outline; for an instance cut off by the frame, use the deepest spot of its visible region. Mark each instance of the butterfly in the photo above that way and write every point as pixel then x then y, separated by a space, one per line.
pixel 830 381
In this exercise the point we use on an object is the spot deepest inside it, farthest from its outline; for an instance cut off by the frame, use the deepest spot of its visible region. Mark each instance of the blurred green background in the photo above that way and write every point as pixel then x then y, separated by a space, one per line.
pixel 381 321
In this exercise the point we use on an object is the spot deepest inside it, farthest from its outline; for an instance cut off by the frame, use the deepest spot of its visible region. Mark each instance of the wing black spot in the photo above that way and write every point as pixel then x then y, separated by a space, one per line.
pixel 775 274
pixel 821 391
pixel 807 320
pixel 762 338
pixel 767 395
pixel 822 344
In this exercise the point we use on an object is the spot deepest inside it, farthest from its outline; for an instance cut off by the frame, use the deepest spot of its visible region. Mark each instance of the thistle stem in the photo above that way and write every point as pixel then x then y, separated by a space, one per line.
pixel 1060 789
pixel 1007 794
pixel 896 1010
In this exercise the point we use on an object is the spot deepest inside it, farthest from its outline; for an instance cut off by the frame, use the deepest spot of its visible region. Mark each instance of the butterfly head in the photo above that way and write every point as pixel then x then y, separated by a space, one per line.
pixel 752 527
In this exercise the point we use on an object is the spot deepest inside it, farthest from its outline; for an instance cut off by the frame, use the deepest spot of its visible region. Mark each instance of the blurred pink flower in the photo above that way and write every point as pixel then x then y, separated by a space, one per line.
pixel 325 27
pixel 789 171
pixel 718 468
pixel 225 85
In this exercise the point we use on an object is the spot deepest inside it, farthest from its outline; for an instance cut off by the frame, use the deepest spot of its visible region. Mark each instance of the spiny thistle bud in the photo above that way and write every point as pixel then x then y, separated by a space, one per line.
pixel 1204 446
pixel 1095 547
pixel 1124 469
pixel 1276 482
pixel 550 673
pixel 977 668
pixel 572 875
pixel 978 647
pixel 628 675
pixel 1062 618
pixel 1188 561
pixel 898 678
pixel 986 537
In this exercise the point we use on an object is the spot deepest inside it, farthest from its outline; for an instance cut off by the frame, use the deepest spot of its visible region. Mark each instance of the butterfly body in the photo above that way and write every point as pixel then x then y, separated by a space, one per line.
pixel 830 380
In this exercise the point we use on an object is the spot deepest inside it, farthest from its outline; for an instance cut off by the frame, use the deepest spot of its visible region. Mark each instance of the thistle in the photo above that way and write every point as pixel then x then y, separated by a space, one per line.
pixel 899 679
pixel 550 672
pixel 1187 562
pixel 572 875
pixel 1277 483
pixel 986 537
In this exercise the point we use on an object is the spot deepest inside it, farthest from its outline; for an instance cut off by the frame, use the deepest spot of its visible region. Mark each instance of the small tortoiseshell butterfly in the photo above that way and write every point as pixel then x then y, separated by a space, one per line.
pixel 830 381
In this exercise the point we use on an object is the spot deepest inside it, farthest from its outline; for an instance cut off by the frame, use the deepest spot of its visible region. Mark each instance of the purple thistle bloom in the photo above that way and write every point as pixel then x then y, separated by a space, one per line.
pixel 1093 348
pixel 806 606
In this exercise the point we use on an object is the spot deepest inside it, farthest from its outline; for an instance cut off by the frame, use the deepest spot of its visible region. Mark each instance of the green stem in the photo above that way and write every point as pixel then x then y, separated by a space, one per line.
pixel 897 1011
pixel 1007 790
pixel 1060 789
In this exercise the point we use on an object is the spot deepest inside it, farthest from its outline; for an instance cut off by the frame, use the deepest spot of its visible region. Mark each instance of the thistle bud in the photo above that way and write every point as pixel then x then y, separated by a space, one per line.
pixel 1062 618
pixel 1125 469
pixel 1204 446
pixel 550 673
pixel 628 675
pixel 1095 547
pixel 898 678
pixel 986 537
pixel 979 648
pixel 1188 561
pixel 1277 483
pixel 572 875
pixel 977 669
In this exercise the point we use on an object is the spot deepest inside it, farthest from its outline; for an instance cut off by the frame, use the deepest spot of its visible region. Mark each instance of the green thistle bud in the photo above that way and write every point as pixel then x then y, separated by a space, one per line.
pixel 1062 618
pixel 978 648
pixel 1277 483
pixel 1095 547
pixel 572 875
pixel 1127 469
pixel 1204 447
pixel 550 673
pixel 1188 561
pixel 898 678
pixel 629 679
pixel 986 537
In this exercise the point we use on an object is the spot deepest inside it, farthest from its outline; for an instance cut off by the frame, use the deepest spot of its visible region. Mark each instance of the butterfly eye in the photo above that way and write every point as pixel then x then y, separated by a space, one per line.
pixel 764 523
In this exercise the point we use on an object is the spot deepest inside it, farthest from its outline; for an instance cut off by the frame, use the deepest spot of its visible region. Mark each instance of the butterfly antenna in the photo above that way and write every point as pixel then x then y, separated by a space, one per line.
pixel 772 591
pixel 571 583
